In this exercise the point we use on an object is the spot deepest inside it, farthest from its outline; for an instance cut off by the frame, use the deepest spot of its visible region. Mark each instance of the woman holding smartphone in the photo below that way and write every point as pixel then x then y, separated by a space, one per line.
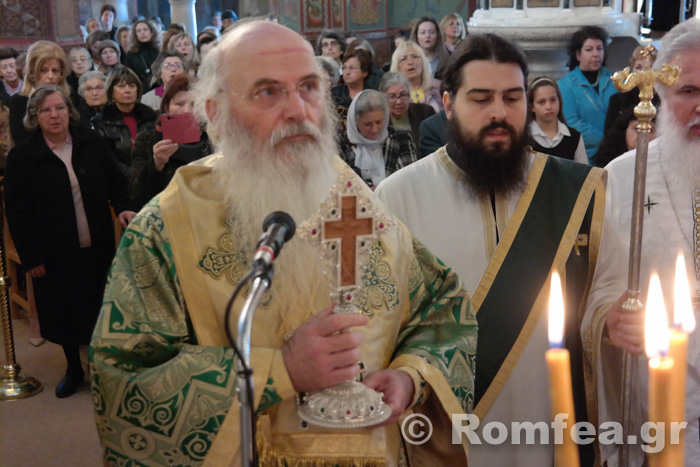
pixel 155 159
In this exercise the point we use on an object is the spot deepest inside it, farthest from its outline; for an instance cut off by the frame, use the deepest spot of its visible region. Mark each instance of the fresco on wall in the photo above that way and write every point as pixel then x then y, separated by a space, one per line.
pixel 366 15
pixel 401 12
pixel 337 14
pixel 253 8
pixel 587 3
pixel 26 20
pixel 315 15
pixel 501 3
pixel 542 3
pixel 287 12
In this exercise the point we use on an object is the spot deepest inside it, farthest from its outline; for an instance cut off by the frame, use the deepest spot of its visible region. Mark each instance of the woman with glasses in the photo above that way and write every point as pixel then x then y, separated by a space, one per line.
pixel 59 185
pixel 92 24
pixel 167 66
pixel 357 66
pixel 12 82
pixel 405 115
pixel 80 62
pixel 373 79
pixel 409 59
pixel 123 117
pixel 331 44
pixel 91 88
pixel 154 160
pixel 372 147
pixel 45 64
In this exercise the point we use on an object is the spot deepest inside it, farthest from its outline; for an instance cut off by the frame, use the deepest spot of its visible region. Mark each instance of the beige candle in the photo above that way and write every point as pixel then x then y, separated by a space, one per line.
pixel 660 374
pixel 565 454
pixel 683 324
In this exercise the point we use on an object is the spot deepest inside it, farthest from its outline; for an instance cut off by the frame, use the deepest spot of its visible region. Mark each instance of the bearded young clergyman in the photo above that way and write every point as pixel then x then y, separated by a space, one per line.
pixel 504 218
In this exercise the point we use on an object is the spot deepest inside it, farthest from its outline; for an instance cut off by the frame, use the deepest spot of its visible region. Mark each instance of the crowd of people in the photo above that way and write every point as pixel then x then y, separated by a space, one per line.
pixel 454 136
pixel 577 104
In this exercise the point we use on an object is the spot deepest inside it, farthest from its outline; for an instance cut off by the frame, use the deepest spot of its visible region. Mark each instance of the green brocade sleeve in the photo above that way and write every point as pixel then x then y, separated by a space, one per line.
pixel 158 396
pixel 442 328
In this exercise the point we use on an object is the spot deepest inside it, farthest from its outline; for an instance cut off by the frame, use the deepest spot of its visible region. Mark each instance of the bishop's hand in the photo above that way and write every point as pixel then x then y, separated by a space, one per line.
pixel 626 330
pixel 319 355
pixel 398 390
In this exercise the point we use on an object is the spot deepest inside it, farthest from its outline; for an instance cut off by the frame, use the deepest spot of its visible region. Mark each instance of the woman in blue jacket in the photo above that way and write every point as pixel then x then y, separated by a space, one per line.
pixel 587 89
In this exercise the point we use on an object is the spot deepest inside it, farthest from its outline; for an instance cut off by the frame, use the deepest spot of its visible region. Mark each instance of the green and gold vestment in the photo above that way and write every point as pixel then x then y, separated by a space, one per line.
pixel 162 373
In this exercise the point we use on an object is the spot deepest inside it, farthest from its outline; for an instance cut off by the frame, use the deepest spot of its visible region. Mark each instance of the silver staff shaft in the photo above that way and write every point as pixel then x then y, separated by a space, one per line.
pixel 645 113
pixel 633 304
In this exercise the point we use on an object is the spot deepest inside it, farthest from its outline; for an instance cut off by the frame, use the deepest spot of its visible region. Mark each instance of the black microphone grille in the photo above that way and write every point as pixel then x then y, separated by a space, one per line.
pixel 284 220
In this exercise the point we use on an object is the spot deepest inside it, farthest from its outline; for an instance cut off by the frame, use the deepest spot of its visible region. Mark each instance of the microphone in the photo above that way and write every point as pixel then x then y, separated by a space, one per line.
pixel 278 228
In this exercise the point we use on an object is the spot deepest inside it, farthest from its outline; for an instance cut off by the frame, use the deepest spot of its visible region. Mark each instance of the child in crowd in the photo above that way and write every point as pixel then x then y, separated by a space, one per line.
pixel 548 130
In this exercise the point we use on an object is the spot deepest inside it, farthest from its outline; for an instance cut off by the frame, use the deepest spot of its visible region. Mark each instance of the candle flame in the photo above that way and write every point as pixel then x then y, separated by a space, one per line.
pixel 656 335
pixel 556 313
pixel 683 317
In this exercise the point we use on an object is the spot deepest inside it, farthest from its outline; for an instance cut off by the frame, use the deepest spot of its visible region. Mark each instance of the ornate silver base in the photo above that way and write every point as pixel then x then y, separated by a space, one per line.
pixel 347 405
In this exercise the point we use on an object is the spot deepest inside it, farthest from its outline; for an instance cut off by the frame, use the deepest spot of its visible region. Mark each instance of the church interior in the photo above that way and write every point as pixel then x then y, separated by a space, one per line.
pixel 41 430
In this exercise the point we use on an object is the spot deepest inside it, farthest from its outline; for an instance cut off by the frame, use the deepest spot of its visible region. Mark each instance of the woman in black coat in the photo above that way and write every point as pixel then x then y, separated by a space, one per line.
pixel 57 197
pixel 123 117
pixel 145 47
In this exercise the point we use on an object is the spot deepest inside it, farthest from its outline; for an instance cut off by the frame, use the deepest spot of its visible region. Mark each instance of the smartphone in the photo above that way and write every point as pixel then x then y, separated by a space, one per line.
pixel 180 128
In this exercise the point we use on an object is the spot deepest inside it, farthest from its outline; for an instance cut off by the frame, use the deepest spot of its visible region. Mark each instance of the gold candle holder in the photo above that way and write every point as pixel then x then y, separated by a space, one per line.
pixel 13 385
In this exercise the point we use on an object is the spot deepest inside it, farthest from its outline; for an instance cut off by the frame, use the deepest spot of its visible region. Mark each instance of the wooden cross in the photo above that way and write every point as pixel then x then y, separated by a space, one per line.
pixel 347 229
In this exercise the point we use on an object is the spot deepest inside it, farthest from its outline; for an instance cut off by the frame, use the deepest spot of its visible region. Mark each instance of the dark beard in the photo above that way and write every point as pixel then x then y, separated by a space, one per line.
pixel 496 169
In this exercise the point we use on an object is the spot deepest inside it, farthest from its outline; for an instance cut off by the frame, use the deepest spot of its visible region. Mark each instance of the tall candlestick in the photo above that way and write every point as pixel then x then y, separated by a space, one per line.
pixel 565 454
pixel 660 373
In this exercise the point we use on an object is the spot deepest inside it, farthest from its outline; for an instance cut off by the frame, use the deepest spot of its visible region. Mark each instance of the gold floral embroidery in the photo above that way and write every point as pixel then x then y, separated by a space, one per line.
pixel 230 258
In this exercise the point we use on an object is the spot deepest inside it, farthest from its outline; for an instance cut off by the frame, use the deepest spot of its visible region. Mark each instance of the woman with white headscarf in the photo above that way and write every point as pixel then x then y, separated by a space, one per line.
pixel 372 147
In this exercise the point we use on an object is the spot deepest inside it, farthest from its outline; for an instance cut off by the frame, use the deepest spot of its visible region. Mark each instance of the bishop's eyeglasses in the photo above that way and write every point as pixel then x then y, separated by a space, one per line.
pixel 270 96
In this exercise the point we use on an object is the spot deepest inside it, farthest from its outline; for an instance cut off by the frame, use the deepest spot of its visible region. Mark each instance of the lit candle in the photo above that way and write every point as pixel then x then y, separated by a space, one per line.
pixel 683 324
pixel 565 454
pixel 656 338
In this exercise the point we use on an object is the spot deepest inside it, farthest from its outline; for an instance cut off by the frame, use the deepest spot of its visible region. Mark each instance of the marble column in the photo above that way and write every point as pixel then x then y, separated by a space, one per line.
pixel 122 7
pixel 182 11
pixel 544 27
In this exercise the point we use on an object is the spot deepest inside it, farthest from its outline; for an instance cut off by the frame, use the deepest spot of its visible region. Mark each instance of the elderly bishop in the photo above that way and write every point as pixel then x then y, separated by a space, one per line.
pixel 162 375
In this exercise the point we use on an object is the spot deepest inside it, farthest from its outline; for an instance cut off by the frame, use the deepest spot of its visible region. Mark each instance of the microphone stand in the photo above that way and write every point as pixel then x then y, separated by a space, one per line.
pixel 261 283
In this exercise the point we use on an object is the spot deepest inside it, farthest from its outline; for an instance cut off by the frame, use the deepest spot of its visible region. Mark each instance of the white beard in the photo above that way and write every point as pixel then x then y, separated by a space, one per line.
pixel 256 179
pixel 681 153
